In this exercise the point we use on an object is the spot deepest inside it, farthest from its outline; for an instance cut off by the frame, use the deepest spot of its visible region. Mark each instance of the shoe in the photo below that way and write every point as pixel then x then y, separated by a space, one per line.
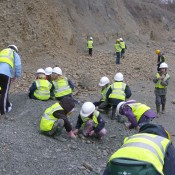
pixel 9 108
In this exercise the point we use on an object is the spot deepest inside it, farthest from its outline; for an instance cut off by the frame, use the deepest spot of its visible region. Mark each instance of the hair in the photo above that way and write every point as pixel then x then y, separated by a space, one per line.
pixel 41 76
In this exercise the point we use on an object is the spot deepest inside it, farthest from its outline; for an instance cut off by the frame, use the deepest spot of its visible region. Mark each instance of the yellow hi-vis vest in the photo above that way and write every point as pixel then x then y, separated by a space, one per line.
pixel 138 109
pixel 158 84
pixel 117 47
pixel 48 120
pixel 94 118
pixel 6 56
pixel 122 43
pixel 118 91
pixel 103 93
pixel 90 44
pixel 144 147
pixel 62 87
pixel 43 89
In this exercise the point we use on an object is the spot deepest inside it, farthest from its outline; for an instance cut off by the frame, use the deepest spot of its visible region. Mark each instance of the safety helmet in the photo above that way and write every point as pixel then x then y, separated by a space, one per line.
pixel 120 105
pixel 87 109
pixel 121 39
pixel 57 70
pixel 104 81
pixel 91 38
pixel 13 47
pixel 118 77
pixel 163 65
pixel 40 71
pixel 48 70
pixel 157 52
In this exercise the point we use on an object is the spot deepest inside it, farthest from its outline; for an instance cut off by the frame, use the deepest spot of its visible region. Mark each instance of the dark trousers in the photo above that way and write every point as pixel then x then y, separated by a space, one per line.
pixel 90 51
pixel 118 55
pixel 5 86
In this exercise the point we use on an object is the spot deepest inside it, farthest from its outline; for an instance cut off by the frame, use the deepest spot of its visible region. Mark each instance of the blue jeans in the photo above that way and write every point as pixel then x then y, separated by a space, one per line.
pixel 118 55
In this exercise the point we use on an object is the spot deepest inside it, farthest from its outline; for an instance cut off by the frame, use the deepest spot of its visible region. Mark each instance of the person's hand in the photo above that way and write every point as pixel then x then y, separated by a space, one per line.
pixel 75 131
pixel 137 128
pixel 127 125
pixel 91 133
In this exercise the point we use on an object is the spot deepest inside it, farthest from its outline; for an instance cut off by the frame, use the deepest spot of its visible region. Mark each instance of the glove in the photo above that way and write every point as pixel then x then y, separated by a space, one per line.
pixel 92 133
pixel 72 135
pixel 75 131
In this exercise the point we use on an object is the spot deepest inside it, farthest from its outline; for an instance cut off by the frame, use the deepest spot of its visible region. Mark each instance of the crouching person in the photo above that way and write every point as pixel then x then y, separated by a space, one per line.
pixel 148 152
pixel 55 118
pixel 90 121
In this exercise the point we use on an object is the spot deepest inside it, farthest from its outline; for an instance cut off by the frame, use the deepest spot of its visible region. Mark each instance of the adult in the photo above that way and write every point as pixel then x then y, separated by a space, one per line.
pixel 90 45
pixel 10 69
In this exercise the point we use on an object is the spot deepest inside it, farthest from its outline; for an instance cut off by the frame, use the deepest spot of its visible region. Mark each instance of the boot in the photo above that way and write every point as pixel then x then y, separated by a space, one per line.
pixel 163 108
pixel 119 119
pixel 158 110
pixel 72 135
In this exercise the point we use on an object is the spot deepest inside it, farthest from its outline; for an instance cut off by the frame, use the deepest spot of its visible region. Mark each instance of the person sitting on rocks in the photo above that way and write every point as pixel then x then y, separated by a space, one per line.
pixel 62 87
pixel 90 121
pixel 102 104
pixel 137 113
pixel 148 152
pixel 48 72
pixel 40 88
pixel 55 118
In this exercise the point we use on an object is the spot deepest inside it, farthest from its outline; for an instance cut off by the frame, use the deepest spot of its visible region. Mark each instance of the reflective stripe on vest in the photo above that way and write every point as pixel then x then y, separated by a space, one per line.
pixel 138 109
pixel 144 147
pixel 94 118
pixel 43 89
pixel 48 120
pixel 62 87
pixel 122 44
pixel 158 84
pixel 117 47
pixel 118 91
pixel 90 44
pixel 103 93
pixel 6 56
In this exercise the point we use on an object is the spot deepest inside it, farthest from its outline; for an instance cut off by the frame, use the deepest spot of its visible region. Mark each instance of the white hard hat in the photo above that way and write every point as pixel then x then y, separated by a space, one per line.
pixel 119 105
pixel 104 81
pixel 121 39
pixel 57 70
pixel 13 47
pixel 40 71
pixel 91 38
pixel 87 109
pixel 118 76
pixel 48 70
pixel 163 65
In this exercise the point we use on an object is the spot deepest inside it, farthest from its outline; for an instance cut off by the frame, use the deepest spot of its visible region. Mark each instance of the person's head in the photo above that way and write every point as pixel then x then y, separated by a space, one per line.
pixel 121 39
pixel 48 70
pixel 163 67
pixel 117 40
pixel 90 38
pixel 15 48
pixel 118 77
pixel 154 129
pixel 56 73
pixel 87 109
pixel 104 81
pixel 40 74
pixel 68 104
pixel 158 52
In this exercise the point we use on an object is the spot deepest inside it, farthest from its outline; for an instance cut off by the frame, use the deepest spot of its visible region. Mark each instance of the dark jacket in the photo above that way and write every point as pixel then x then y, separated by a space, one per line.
pixel 169 160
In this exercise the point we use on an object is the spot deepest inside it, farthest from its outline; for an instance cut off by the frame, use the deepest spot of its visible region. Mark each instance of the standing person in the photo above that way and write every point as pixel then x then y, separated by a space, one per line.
pixel 61 85
pixel 117 92
pixel 48 73
pixel 55 118
pixel 90 45
pixel 118 50
pixel 161 81
pixel 10 69
pixel 148 152
pixel 40 88
pixel 102 103
pixel 90 121
pixel 160 59
pixel 123 46
pixel 137 113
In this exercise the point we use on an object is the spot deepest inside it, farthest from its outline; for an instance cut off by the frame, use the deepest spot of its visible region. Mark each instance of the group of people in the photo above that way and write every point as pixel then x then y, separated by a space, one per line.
pixel 150 147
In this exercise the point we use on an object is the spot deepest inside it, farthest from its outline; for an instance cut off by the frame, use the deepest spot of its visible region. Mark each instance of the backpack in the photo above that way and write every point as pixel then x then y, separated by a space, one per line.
pixel 131 167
